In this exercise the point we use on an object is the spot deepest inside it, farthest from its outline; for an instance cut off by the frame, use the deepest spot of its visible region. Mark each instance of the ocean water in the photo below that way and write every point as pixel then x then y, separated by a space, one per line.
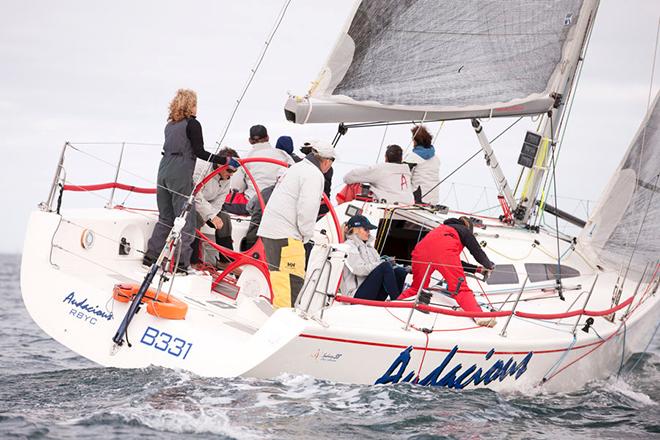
pixel 47 391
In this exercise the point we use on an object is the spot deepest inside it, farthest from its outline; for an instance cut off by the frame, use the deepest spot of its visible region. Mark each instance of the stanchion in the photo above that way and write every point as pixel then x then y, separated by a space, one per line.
pixel 508 320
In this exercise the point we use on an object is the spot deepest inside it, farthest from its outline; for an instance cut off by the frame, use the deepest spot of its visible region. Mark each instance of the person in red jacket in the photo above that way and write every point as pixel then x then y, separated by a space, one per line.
pixel 441 250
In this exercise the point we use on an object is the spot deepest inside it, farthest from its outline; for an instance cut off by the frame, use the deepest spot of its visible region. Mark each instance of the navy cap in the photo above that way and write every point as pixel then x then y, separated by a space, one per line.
pixel 360 221
pixel 258 132
pixel 285 143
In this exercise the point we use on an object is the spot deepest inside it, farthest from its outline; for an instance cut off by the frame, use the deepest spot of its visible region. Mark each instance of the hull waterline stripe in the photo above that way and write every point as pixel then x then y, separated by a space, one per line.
pixel 442 350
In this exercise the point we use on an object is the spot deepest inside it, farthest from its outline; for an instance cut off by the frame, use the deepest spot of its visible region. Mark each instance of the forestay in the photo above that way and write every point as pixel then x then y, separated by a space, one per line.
pixel 415 59
pixel 630 206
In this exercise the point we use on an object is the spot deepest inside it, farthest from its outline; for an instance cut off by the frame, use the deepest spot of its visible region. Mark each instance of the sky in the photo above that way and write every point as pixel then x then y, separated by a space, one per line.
pixel 105 72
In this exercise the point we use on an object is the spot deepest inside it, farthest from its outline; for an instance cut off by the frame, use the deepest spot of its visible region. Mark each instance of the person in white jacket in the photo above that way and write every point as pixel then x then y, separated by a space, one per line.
pixel 288 222
pixel 264 174
pixel 425 167
pixel 390 181
pixel 366 275
pixel 210 199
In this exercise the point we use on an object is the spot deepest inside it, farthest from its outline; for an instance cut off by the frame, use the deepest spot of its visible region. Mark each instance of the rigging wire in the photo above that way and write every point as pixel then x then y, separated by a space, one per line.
pixel 471 157
pixel 547 376
pixel 382 142
pixel 175 238
pixel 554 183
pixel 655 53
pixel 254 70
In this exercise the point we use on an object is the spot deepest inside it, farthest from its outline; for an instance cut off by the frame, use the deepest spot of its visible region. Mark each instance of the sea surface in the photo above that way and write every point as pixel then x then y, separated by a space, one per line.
pixel 48 392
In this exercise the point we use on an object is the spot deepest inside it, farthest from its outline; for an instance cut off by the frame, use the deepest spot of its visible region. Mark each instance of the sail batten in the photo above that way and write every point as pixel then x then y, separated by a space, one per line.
pixel 455 58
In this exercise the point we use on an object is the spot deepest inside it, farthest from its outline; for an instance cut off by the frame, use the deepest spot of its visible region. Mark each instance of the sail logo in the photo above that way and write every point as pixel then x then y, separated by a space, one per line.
pixel 458 377
pixel 84 311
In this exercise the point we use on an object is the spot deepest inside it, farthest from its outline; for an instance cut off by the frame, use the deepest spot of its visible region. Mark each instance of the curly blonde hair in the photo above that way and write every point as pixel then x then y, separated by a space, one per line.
pixel 183 105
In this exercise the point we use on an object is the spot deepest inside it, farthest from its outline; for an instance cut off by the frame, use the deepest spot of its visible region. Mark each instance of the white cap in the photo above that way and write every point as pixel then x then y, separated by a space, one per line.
pixel 324 149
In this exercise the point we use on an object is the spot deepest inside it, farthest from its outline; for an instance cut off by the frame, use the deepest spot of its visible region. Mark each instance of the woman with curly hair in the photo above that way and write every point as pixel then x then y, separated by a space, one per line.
pixel 183 145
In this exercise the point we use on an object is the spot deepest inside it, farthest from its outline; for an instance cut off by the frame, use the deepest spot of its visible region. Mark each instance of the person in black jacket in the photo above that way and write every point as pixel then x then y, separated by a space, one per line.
pixel 441 250
pixel 183 145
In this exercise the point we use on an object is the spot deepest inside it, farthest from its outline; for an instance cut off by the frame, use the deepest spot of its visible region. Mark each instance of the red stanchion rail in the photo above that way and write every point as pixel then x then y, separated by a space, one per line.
pixel 428 308
pixel 109 185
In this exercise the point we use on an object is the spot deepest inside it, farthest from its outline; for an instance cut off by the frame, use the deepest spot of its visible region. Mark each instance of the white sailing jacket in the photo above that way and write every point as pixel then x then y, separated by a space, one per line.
pixel 361 260
pixel 425 174
pixel 265 174
pixel 294 204
pixel 389 181
pixel 209 201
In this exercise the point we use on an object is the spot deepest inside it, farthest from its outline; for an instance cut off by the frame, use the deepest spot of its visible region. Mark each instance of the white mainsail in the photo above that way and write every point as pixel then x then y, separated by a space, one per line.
pixel 630 205
pixel 425 59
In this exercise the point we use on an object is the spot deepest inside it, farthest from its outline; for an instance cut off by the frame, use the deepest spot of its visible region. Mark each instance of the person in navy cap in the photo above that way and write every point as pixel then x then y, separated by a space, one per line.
pixel 285 143
pixel 366 275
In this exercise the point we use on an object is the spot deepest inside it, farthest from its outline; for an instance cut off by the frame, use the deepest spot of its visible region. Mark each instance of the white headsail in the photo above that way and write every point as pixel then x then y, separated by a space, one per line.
pixel 426 59
pixel 630 205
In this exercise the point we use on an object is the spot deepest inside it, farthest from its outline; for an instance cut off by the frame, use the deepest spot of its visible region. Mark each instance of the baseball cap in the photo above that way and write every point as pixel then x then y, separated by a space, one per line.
pixel 324 149
pixel 258 132
pixel 360 221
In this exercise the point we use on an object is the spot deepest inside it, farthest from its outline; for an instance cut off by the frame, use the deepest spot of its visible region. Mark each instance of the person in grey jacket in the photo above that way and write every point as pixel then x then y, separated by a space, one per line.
pixel 288 222
pixel 264 174
pixel 366 275
pixel 183 145
pixel 390 181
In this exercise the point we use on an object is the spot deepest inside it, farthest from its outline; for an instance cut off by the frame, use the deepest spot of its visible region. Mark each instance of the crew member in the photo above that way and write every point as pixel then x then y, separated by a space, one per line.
pixel 264 174
pixel 209 202
pixel 390 181
pixel 285 143
pixel 327 186
pixel 183 145
pixel 441 250
pixel 288 222
pixel 366 275
pixel 424 166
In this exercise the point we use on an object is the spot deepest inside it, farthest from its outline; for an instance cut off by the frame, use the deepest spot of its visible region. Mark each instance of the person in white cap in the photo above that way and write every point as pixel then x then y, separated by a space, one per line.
pixel 288 222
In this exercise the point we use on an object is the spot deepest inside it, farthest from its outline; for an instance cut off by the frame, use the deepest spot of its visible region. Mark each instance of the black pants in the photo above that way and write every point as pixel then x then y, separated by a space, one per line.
pixel 222 237
pixel 385 280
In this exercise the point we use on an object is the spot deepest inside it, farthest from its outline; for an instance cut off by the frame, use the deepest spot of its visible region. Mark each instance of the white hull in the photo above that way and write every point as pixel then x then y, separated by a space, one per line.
pixel 73 303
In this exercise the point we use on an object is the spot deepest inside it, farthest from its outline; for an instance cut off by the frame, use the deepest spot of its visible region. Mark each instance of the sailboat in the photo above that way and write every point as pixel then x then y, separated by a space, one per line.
pixel 569 309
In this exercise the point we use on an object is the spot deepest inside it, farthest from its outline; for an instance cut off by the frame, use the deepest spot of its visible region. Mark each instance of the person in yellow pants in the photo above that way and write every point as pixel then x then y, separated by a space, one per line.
pixel 288 222
pixel 286 261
